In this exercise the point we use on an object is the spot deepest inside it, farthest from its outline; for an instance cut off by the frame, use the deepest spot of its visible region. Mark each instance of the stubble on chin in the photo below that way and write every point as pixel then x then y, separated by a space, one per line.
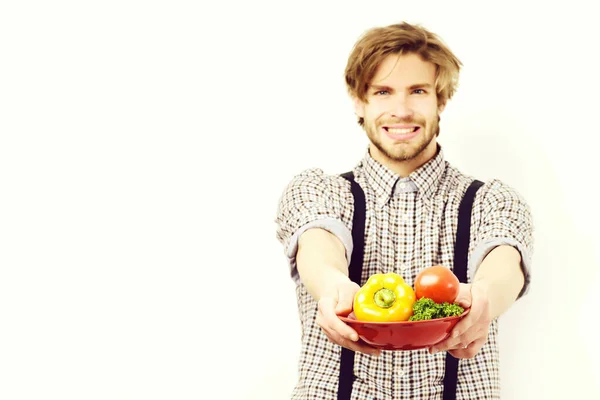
pixel 401 151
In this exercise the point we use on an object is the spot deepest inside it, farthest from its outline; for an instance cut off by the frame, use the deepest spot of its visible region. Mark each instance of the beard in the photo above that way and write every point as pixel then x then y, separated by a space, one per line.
pixel 403 151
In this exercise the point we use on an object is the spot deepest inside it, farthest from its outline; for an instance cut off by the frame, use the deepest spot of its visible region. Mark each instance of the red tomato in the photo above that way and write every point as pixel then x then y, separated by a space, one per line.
pixel 437 283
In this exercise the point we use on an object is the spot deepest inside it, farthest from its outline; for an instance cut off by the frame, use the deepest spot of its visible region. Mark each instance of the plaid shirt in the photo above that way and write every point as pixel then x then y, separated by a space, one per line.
pixel 410 224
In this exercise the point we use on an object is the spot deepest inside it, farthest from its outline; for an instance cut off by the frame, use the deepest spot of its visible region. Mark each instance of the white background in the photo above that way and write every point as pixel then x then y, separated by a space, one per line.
pixel 144 147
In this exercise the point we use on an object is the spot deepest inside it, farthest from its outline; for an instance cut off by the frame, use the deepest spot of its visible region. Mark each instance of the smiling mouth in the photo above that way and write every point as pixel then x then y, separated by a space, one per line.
pixel 400 131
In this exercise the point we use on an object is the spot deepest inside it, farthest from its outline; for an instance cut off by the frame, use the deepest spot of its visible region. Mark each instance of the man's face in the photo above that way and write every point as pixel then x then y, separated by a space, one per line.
pixel 401 112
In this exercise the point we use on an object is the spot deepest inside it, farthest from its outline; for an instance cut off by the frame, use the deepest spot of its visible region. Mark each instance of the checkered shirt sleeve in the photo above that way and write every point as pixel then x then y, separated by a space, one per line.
pixel 314 200
pixel 502 217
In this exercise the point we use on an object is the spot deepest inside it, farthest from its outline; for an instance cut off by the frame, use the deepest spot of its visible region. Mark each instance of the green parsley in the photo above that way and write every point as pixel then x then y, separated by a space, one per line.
pixel 425 308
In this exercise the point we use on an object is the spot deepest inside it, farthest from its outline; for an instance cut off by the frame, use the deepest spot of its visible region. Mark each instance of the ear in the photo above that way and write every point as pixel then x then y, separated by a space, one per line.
pixel 359 107
pixel 441 108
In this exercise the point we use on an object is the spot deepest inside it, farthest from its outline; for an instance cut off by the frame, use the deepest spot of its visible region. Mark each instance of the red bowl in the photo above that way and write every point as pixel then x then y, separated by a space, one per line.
pixel 403 335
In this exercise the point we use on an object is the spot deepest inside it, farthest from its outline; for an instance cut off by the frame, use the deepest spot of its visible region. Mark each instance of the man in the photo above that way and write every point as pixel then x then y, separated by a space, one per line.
pixel 400 78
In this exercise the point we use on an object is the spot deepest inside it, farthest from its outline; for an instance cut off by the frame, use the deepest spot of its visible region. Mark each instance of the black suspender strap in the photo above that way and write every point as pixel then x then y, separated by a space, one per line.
pixel 461 256
pixel 355 272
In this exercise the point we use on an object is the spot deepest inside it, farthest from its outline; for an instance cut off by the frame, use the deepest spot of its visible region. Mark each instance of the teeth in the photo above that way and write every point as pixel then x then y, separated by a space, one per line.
pixel 395 131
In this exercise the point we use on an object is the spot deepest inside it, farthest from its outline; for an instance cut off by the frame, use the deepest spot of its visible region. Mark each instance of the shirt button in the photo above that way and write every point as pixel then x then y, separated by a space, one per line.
pixel 403 267
pixel 402 185
pixel 404 217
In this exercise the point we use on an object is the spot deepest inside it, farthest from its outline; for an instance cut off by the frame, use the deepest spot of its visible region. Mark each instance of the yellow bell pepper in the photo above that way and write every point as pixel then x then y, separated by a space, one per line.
pixel 384 298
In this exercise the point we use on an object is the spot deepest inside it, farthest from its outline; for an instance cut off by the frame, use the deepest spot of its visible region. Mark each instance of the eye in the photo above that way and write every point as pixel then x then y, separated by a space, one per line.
pixel 420 91
pixel 381 92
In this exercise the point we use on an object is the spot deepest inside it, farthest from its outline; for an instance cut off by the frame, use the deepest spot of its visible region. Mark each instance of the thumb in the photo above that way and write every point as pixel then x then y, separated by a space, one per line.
pixel 464 295
pixel 345 302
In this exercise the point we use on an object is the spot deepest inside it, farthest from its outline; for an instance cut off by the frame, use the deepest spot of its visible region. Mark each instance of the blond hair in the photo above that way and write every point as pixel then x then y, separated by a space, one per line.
pixel 377 43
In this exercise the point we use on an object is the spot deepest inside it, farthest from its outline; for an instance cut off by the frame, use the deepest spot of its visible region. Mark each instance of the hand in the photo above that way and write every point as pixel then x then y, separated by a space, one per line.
pixel 470 333
pixel 340 303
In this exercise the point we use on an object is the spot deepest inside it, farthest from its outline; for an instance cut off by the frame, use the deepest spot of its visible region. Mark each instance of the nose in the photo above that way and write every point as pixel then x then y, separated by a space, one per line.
pixel 401 108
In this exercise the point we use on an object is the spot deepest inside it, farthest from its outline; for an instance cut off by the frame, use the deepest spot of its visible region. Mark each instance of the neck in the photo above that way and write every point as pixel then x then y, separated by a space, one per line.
pixel 407 167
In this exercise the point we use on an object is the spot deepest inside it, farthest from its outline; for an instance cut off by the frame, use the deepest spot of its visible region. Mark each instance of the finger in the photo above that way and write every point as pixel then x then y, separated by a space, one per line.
pixel 466 324
pixel 470 351
pixel 349 344
pixel 464 295
pixel 451 342
pixel 345 302
pixel 330 320
pixel 473 333
pixel 460 339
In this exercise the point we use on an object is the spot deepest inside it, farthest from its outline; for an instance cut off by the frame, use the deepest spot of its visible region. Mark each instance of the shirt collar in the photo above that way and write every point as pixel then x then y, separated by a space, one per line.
pixel 385 182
